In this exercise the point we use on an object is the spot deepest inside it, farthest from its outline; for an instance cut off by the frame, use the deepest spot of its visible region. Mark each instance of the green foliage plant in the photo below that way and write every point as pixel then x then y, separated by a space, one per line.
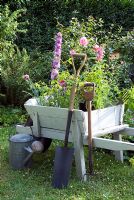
pixel 127 97
pixel 42 27
pixel 131 160
pixel 9 116
pixel 15 62
pixel 109 74
pixel 12 61
pixel 93 71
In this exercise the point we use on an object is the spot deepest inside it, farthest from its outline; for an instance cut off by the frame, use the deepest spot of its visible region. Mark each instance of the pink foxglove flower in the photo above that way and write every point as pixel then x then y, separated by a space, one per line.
pixel 83 41
pixel 26 77
pixel 54 74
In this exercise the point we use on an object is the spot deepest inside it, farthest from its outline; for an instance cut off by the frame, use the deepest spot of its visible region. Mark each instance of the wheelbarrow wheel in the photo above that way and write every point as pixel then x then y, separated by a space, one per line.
pixel 45 141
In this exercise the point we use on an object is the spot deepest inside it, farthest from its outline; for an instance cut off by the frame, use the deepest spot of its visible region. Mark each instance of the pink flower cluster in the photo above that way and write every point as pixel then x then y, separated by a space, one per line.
pixel 83 41
pixel 98 49
pixel 57 56
pixel 62 83
pixel 99 52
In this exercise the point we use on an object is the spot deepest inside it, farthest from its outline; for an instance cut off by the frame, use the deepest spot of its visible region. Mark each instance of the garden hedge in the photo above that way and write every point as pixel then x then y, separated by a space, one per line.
pixel 42 16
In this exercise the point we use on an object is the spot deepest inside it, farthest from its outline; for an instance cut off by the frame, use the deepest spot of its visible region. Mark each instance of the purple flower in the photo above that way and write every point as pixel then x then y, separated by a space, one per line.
pixel 58 40
pixel 58 46
pixel 55 64
pixel 57 56
pixel 54 74
pixel 57 52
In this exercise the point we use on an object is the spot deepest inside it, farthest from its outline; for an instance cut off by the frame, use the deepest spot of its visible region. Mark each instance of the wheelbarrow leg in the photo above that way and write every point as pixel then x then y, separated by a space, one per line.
pixel 79 151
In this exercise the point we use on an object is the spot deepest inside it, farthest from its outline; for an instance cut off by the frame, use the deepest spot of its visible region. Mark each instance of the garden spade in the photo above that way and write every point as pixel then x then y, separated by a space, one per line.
pixel 89 95
pixel 64 155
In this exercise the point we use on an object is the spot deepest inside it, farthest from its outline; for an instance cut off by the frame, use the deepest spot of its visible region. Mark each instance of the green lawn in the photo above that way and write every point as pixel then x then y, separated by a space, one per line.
pixel 113 180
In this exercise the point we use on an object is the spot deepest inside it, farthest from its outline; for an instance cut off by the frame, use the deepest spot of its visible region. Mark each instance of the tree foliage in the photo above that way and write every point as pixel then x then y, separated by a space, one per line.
pixel 42 16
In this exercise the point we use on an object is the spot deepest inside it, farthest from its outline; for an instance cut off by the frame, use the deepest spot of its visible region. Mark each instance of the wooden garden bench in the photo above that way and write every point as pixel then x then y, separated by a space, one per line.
pixel 50 122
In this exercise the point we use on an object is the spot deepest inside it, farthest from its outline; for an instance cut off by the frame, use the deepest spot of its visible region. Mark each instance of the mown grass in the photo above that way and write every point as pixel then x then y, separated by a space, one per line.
pixel 112 180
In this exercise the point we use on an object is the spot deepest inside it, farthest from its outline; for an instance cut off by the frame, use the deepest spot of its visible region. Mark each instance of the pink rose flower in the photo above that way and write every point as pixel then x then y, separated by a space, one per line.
pixel 72 51
pixel 96 47
pixel 83 41
pixel 26 77
pixel 99 52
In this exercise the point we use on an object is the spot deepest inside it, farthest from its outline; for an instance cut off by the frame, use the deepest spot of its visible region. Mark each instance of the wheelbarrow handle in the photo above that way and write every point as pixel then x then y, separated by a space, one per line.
pixel 89 95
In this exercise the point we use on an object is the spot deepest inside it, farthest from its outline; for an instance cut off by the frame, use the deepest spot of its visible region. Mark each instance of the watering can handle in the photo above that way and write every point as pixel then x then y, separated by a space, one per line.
pixel 30 151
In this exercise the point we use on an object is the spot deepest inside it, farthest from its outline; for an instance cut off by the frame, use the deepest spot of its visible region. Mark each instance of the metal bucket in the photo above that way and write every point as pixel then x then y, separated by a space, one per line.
pixel 17 151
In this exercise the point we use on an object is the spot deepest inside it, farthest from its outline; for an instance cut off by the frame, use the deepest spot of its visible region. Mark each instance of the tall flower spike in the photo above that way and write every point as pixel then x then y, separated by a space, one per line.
pixel 57 56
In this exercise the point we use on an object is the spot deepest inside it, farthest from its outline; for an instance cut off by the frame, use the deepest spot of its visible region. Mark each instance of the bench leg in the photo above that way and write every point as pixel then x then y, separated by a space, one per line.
pixel 79 152
pixel 118 154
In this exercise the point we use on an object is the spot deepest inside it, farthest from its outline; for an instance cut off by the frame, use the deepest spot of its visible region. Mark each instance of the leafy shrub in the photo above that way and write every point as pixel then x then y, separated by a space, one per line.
pixel 110 76
pixel 16 62
pixel 127 97
pixel 127 44
pixel 12 70
pixel 11 116
pixel 12 59
pixel 40 65
pixel 129 117
pixel 94 71
pixel 42 27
